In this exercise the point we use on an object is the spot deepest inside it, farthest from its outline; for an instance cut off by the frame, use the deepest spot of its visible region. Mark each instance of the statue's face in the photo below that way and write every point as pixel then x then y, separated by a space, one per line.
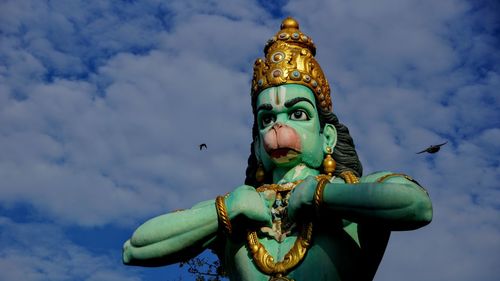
pixel 289 127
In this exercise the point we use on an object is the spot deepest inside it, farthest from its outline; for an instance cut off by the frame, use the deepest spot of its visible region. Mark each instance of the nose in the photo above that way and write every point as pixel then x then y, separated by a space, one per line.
pixel 277 125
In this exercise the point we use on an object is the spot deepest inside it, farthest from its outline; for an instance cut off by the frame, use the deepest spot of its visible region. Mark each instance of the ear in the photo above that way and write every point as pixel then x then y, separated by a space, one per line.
pixel 329 137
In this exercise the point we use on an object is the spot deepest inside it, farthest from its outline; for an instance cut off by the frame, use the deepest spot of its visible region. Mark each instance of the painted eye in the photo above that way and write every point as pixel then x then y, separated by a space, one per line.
pixel 299 115
pixel 268 120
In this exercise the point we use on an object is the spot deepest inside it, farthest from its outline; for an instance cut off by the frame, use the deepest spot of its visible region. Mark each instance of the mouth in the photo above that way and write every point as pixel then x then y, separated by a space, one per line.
pixel 283 155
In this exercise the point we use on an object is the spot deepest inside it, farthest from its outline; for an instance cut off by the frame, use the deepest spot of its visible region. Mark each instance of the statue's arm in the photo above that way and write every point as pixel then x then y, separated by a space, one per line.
pixel 180 235
pixel 388 200
pixel 395 203
pixel 172 237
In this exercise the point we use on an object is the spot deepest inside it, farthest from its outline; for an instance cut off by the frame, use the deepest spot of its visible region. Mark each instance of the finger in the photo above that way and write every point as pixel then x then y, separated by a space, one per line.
pixel 269 196
pixel 292 202
pixel 260 211
pixel 308 181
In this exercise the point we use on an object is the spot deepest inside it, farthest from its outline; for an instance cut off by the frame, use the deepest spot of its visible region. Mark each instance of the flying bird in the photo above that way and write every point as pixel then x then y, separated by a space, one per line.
pixel 433 148
pixel 203 145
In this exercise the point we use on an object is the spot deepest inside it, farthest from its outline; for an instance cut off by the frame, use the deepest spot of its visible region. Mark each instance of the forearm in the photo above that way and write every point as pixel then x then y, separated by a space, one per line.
pixel 395 206
pixel 171 237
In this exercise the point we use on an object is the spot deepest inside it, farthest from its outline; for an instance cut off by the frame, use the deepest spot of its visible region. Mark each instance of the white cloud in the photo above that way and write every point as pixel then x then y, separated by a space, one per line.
pixel 39 252
pixel 120 138
pixel 408 74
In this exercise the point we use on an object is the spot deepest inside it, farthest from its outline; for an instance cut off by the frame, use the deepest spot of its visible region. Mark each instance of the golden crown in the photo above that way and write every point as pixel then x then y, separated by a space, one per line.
pixel 290 60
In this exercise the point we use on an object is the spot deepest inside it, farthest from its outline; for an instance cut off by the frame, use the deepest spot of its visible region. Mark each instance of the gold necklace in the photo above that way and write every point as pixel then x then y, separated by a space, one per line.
pixel 261 257
pixel 278 187
pixel 265 262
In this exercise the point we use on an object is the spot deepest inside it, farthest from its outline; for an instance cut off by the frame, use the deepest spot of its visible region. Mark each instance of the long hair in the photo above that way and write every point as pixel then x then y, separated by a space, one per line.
pixel 344 152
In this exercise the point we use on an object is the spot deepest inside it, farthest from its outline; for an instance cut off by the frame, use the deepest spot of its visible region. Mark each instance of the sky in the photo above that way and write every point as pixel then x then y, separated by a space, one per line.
pixel 103 105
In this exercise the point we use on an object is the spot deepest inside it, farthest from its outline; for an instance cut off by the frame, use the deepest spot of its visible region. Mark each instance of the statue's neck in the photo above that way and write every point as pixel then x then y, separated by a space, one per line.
pixel 299 172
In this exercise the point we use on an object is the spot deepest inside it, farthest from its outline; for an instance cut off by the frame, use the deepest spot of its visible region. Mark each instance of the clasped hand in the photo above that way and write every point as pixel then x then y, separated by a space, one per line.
pixel 255 206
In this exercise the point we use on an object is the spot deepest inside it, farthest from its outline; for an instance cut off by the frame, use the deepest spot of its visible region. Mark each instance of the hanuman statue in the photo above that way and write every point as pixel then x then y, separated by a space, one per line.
pixel 305 211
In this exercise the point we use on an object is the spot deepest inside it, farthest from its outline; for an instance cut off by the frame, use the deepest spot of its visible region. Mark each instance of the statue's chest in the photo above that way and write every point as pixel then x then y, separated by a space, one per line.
pixel 282 226
pixel 332 249
pixel 278 249
pixel 324 253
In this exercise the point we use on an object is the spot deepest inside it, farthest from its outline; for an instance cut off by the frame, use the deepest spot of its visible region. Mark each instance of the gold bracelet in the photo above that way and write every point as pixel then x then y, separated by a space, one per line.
pixel 318 194
pixel 220 205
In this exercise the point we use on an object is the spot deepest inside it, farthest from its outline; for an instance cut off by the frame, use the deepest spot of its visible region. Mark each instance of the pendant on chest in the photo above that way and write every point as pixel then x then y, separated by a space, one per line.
pixel 282 226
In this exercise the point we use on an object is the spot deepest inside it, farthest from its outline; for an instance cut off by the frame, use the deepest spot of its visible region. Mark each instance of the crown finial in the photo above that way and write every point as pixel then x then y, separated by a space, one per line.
pixel 289 22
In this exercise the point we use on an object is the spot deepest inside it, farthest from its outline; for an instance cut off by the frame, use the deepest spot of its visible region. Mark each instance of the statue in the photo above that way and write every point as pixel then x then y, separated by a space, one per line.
pixel 305 211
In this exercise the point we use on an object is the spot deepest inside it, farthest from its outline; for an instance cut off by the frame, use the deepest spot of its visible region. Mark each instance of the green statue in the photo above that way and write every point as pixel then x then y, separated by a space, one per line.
pixel 305 211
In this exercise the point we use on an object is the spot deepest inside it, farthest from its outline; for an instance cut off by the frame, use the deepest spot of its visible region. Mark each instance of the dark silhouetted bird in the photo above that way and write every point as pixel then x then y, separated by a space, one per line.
pixel 203 145
pixel 433 148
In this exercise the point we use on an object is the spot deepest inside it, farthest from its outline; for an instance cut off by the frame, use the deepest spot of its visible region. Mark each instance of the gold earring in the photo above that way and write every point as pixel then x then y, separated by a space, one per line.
pixel 260 174
pixel 329 163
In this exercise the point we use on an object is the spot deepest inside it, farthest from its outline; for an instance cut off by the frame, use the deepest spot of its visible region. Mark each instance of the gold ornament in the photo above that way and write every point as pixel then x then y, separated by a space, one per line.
pixel 265 262
pixel 260 174
pixel 261 257
pixel 222 215
pixel 349 177
pixel 383 178
pixel 278 187
pixel 280 278
pixel 289 59
pixel 329 163
pixel 318 194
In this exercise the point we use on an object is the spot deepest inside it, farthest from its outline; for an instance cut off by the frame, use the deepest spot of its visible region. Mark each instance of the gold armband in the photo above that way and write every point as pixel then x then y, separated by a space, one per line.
pixel 318 194
pixel 383 178
pixel 222 215
pixel 349 177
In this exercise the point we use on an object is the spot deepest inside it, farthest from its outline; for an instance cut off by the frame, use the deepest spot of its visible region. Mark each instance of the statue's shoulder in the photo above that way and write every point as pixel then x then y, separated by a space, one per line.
pixel 388 176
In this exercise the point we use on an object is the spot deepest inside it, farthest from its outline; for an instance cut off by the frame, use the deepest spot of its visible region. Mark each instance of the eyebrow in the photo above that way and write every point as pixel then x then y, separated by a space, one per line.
pixel 293 101
pixel 265 106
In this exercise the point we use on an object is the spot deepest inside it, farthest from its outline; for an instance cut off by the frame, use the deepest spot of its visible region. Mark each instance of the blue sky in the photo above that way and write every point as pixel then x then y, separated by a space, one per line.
pixel 103 105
